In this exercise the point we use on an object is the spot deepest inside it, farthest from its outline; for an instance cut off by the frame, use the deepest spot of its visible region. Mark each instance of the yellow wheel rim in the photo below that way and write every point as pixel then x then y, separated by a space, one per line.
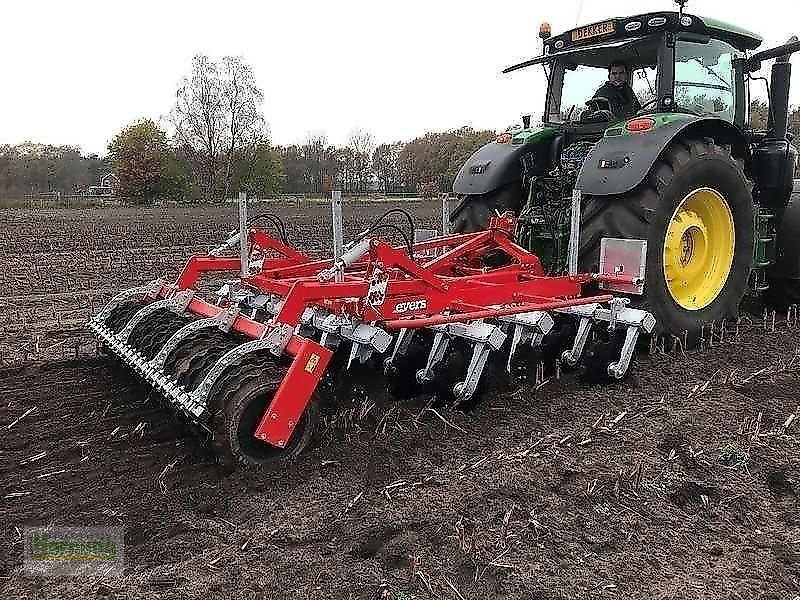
pixel 698 249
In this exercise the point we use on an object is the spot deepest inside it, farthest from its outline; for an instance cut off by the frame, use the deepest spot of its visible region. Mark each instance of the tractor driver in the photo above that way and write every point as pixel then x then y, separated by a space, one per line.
pixel 618 92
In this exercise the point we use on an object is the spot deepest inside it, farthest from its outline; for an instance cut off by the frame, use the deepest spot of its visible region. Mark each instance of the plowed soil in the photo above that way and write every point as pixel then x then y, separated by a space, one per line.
pixel 680 482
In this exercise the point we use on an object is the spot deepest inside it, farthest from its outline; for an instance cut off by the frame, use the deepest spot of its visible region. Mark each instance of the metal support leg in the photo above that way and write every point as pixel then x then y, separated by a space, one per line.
pixel 464 390
pixel 400 348
pixel 571 357
pixel 440 343
pixel 359 351
pixel 618 369
pixel 528 327
pixel 336 214
pixel 445 214
pixel 575 232
pixel 244 242
pixel 521 335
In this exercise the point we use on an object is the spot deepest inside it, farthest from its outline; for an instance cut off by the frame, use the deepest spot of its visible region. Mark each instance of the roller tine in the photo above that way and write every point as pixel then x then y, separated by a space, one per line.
pixel 464 390
pixel 360 351
pixel 400 345
pixel 353 354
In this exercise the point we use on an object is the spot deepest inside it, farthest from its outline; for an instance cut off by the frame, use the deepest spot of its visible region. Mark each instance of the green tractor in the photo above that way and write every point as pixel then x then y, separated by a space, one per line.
pixel 682 190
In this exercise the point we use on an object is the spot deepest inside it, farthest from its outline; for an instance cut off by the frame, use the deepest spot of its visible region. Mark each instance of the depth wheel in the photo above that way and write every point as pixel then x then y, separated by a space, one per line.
pixel 696 212
pixel 150 335
pixel 243 399
pixel 121 314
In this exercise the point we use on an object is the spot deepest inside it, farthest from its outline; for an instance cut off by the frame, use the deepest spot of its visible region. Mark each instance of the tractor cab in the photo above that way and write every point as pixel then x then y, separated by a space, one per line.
pixel 676 181
pixel 675 63
pixel 704 81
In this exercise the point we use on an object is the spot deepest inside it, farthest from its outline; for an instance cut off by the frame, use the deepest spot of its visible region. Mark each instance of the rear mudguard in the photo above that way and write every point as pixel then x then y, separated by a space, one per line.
pixel 621 160
pixel 489 168
pixel 787 251
pixel 495 165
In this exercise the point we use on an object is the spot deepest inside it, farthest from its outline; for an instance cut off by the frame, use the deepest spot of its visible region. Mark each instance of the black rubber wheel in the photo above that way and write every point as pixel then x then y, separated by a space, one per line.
pixel 242 401
pixel 473 212
pixel 178 360
pixel 688 168
pixel 195 356
pixel 149 335
pixel 201 363
pixel 121 314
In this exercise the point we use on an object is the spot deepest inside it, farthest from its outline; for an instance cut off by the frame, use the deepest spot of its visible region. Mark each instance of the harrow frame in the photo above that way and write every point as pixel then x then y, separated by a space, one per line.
pixel 370 296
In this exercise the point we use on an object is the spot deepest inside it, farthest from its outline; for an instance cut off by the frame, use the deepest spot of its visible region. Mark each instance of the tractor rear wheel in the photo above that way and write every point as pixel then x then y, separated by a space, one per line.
pixel 473 212
pixel 695 210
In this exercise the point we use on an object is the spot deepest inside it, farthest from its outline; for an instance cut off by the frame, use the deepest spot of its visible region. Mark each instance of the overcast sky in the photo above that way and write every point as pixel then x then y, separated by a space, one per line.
pixel 77 72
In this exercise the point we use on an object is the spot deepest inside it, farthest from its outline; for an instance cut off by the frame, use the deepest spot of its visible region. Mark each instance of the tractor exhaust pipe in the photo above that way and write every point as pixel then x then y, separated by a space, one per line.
pixel 774 159
pixel 779 95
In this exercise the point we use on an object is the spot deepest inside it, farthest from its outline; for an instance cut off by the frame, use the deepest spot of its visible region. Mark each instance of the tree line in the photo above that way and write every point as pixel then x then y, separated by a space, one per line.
pixel 151 166
pixel 40 168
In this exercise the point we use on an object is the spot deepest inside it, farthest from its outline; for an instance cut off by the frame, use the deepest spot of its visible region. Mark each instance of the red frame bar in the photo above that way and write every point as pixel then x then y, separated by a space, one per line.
pixel 454 286
pixel 415 323
pixel 293 394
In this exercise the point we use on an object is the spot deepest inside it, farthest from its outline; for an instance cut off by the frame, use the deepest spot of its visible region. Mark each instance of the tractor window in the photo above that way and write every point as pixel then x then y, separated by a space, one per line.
pixel 704 78
pixel 580 84
pixel 643 82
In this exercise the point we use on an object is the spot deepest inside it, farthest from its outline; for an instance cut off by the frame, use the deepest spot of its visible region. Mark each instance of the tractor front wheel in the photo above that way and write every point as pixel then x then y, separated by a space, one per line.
pixel 696 212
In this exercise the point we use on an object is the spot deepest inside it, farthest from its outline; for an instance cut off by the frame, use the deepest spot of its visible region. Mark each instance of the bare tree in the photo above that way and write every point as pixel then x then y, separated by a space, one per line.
pixel 246 127
pixel 384 165
pixel 316 154
pixel 215 115
pixel 362 144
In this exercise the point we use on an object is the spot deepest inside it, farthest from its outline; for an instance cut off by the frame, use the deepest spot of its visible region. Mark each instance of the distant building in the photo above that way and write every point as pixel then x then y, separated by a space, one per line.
pixel 109 183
